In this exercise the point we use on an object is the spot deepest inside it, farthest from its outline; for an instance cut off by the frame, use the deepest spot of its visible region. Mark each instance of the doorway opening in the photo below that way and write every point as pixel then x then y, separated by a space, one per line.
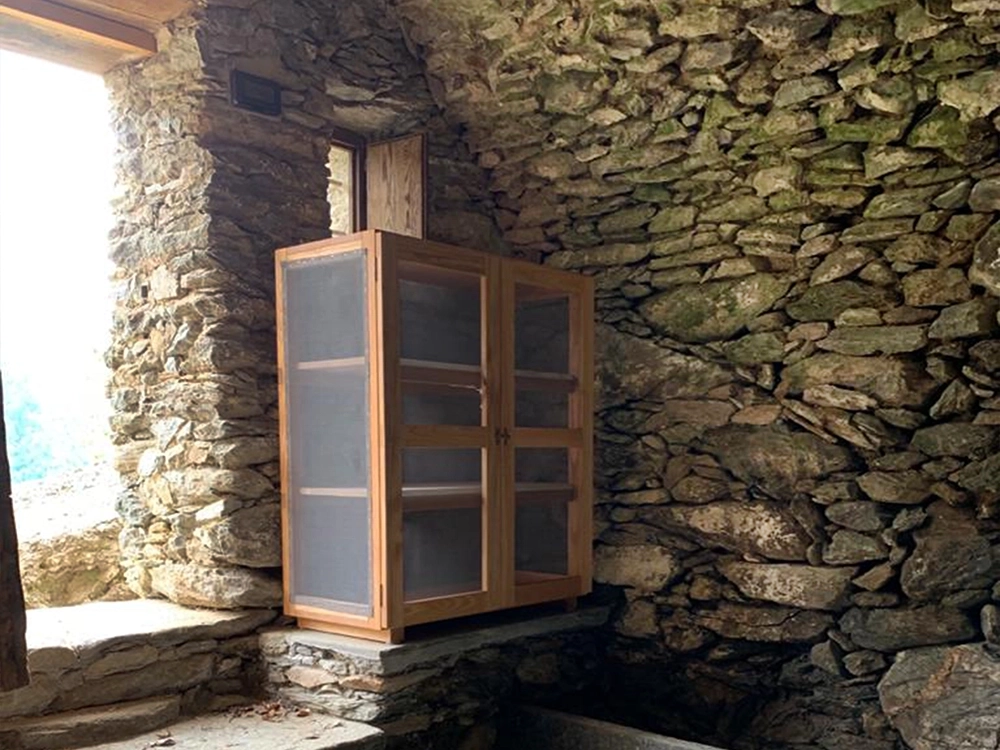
pixel 56 184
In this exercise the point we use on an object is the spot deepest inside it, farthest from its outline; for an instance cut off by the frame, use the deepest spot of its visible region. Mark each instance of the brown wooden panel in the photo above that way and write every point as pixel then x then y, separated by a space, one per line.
pixel 396 185
pixel 73 37
pixel 13 650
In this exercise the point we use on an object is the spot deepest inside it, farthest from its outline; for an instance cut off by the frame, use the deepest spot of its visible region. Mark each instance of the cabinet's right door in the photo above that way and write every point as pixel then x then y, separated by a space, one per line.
pixel 548 476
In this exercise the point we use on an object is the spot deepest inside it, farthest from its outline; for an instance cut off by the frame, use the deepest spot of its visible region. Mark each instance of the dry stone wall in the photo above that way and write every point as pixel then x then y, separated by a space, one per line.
pixel 791 212
pixel 207 192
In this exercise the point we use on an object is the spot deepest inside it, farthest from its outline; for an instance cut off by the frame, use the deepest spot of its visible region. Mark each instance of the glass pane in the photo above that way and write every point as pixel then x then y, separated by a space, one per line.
pixel 541 533
pixel 440 315
pixel 340 189
pixel 442 521
pixel 327 419
pixel 541 357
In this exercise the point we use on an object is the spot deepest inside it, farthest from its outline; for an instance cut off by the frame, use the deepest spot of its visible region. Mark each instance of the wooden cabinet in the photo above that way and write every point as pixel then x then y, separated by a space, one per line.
pixel 436 432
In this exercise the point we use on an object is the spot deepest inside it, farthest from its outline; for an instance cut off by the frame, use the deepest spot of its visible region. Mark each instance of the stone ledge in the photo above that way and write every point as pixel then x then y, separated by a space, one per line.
pixel 104 626
pixel 106 653
pixel 457 640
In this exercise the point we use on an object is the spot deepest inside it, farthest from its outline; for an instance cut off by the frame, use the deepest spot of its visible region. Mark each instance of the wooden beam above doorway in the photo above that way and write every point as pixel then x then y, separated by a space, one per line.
pixel 94 35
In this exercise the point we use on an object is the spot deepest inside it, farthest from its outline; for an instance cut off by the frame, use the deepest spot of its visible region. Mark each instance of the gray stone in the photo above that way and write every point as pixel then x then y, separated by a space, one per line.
pixel 874 339
pixel 801 586
pixel 222 587
pixel 858 515
pixel 697 490
pixel 936 287
pixel 989 621
pixel 827 301
pixel 764 624
pixel 838 398
pixel 980 476
pixel 950 555
pixel 860 663
pixel 985 269
pixel 929 694
pixel 892 381
pixel 900 488
pixel 95 726
pixel 985 195
pixel 756 348
pixel 977 317
pixel 787 28
pixel 957 439
pixel 250 537
pixel 756 528
pixel 713 311
pixel 656 374
pixel 800 90
pixel 779 462
pixel 840 263
pixel 986 355
pixel 897 629
pixel 849 548
pixel 956 399
pixel 644 567
pixel 976 95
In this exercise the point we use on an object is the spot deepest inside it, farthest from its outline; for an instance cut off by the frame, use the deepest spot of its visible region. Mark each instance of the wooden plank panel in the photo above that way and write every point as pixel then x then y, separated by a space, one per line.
pixel 442 436
pixel 450 258
pixel 13 650
pixel 70 24
pixel 445 607
pixel 396 185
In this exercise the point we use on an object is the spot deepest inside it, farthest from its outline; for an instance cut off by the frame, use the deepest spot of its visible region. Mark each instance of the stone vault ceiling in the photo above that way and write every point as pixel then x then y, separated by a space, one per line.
pixel 586 107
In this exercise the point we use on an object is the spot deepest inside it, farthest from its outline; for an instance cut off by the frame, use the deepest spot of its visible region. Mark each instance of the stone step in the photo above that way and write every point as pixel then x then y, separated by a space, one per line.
pixel 253 732
pixel 91 726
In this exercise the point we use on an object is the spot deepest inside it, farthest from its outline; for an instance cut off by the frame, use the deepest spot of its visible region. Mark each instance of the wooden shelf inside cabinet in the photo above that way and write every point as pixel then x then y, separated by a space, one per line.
pixel 423 497
pixel 407 368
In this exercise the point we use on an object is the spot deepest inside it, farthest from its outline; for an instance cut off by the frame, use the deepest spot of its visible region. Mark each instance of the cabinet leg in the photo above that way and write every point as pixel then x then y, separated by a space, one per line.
pixel 570 604
pixel 396 635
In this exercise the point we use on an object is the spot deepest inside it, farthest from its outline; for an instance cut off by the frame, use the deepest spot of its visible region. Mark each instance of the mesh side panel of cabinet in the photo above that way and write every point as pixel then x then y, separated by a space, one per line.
pixel 327 417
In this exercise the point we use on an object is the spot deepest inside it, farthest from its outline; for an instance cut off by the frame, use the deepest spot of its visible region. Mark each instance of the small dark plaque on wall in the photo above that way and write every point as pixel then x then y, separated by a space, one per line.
pixel 255 93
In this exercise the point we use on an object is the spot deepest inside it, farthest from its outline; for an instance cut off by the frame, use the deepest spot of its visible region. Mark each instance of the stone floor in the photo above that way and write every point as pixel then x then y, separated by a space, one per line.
pixel 227 732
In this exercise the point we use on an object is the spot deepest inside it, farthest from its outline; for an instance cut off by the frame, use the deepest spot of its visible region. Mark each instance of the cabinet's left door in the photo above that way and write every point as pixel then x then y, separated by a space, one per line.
pixel 328 383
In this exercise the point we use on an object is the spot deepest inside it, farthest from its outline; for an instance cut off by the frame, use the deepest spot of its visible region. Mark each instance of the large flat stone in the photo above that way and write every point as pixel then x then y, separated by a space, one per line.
pixel 713 311
pixel 802 586
pixel 944 697
pixel 92 726
pixel 897 629
pixel 757 528
pixel 77 635
pixel 780 462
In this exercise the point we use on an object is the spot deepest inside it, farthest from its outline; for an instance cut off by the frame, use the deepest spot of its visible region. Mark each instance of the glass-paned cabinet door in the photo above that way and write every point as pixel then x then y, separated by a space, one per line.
pixel 443 495
pixel 441 345
pixel 445 451
pixel 327 431
pixel 549 374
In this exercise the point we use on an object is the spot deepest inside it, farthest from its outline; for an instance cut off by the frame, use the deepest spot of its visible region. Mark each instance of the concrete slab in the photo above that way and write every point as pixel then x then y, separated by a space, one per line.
pixel 226 732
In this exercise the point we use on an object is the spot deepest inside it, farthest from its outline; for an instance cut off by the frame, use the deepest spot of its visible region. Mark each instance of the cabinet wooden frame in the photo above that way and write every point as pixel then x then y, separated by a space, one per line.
pixel 388 258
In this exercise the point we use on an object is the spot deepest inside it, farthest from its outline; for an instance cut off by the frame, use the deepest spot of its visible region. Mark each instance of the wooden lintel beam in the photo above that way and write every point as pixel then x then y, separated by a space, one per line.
pixel 87 26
